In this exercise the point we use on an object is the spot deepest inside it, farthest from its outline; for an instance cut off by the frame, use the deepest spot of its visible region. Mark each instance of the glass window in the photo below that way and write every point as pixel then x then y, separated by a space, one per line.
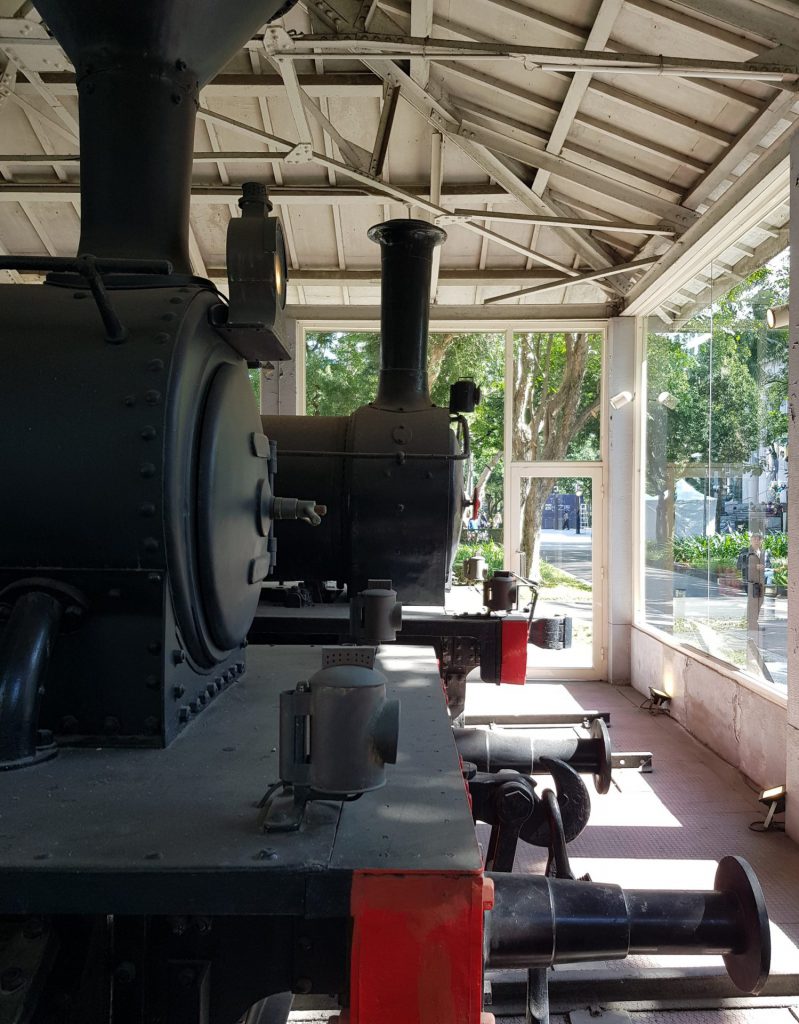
pixel 716 477
pixel 557 380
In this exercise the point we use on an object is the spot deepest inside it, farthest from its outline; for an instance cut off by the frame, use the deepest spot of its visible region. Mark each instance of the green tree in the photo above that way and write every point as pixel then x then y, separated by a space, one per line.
pixel 556 401
pixel 717 389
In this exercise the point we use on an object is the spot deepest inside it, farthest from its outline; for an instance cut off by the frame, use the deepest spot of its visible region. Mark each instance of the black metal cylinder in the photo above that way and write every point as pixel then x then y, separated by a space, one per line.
pixel 495 751
pixel 539 922
pixel 25 647
pixel 130 205
pixel 406 263
pixel 139 68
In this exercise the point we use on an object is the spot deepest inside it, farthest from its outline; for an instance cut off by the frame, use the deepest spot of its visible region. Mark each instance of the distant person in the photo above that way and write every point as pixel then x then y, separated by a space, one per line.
pixel 566 520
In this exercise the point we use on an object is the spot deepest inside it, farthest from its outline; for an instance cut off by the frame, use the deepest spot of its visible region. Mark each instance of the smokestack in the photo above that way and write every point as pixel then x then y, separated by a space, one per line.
pixel 140 65
pixel 406 258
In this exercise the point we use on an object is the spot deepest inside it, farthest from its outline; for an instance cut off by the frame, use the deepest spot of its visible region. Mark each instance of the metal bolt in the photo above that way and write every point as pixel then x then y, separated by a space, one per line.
pixel 240 666
pixel 146 510
pixel 303 985
pixel 150 544
pixel 129 400
pixel 148 433
pixel 12 979
pixel 147 470
pixel 178 656
pixel 111 725
pixel 152 397
pixel 152 682
pixel 178 691
pixel 304 943
pixel 194 705
pixel 155 365
pixel 211 690
pixel 184 713
pixel 202 698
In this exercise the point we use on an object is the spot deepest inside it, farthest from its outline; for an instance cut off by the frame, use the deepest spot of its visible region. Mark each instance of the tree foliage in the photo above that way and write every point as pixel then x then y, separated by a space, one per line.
pixel 556 401
pixel 341 370
pixel 717 388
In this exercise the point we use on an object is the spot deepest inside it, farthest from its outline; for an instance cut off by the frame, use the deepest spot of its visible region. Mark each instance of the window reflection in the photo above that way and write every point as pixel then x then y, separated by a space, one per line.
pixel 716 477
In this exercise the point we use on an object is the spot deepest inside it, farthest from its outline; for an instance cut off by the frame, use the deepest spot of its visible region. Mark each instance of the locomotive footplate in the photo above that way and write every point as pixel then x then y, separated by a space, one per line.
pixel 175 831
pixel 462 642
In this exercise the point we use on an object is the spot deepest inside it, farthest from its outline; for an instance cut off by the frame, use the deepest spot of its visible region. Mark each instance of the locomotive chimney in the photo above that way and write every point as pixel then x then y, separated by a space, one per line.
pixel 406 264
pixel 140 65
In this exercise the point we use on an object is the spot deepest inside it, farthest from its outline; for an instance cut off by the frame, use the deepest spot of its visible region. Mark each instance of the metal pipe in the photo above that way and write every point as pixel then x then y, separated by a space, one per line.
pixel 25 648
pixel 139 68
pixel 406 259
pixel 539 922
pixel 523 752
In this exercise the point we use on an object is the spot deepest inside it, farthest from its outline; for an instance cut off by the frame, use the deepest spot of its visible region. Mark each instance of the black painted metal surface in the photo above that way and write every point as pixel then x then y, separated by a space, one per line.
pixel 139 68
pixel 330 624
pixel 391 474
pixel 102 443
pixel 174 831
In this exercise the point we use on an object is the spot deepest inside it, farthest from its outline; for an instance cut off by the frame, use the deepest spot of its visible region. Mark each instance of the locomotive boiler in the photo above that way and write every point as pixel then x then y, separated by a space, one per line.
pixel 139 883
pixel 139 525
pixel 391 474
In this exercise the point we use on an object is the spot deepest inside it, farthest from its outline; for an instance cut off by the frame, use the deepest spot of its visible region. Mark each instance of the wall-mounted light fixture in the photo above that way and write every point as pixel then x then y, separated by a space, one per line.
pixel 777 316
pixel 623 398
pixel 668 399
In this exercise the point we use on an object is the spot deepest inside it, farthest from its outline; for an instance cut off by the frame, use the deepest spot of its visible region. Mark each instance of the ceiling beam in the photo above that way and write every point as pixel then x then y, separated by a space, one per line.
pixel 448 277
pixel 422 26
pixel 623 226
pixel 749 17
pixel 594 275
pixel 597 38
pixel 671 213
pixel 288 149
pixel 780 107
pixel 355 84
pixel 383 134
pixel 475 114
pixel 745 203
pixel 571 315
pixel 281 195
pixel 439 114
pixel 343 47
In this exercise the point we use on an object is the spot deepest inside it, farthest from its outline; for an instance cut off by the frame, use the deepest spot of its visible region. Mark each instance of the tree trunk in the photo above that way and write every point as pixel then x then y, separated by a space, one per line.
pixel 538 491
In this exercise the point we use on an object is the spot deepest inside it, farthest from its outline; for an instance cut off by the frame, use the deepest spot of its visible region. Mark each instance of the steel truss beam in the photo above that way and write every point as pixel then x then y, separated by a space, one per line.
pixel 595 275
pixel 343 47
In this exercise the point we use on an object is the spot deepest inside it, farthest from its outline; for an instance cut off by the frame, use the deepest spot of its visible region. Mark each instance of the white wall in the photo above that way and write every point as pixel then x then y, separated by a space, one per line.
pixel 737 722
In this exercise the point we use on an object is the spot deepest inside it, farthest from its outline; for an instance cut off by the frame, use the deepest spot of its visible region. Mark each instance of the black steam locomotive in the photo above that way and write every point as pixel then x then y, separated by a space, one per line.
pixel 191 829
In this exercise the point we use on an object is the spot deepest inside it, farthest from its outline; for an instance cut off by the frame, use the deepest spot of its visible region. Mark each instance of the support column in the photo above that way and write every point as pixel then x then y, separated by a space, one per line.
pixel 620 496
pixel 792 767
pixel 279 380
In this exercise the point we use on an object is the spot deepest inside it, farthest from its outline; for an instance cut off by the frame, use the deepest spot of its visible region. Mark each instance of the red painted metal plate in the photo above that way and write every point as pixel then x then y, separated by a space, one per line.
pixel 416 948
pixel 513 666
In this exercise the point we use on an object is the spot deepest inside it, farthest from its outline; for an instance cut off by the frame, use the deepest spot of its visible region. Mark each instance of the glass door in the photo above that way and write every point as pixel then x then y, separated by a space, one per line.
pixel 555 538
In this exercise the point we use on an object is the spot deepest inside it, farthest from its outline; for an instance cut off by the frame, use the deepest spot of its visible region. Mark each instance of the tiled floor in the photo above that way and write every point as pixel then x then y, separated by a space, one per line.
pixel 666 829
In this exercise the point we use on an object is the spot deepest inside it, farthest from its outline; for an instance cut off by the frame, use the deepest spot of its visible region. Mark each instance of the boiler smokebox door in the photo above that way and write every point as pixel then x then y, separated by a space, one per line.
pixel 230 548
